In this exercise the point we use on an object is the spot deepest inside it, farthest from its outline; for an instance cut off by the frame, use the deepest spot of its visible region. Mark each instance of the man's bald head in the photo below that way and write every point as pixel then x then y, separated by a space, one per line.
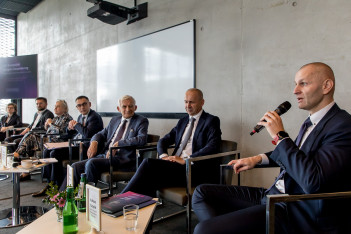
pixel 322 72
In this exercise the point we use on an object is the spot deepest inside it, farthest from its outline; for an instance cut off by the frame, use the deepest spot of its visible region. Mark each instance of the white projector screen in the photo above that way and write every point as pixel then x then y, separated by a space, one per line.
pixel 156 69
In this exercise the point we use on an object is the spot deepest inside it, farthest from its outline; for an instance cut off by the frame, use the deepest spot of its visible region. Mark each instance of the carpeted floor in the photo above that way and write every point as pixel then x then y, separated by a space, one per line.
pixel 174 225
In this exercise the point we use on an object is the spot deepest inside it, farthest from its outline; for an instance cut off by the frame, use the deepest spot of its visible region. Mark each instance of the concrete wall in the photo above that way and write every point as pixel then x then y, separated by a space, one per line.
pixel 247 54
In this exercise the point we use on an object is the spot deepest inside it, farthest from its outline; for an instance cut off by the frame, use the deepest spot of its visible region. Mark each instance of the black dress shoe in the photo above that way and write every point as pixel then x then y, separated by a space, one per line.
pixel 41 192
pixel 24 177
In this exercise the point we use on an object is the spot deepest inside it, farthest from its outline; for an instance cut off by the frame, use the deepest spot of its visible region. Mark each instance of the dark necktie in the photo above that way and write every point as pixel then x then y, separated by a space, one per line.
pixel 302 132
pixel 303 129
pixel 83 121
pixel 119 135
pixel 120 131
pixel 186 137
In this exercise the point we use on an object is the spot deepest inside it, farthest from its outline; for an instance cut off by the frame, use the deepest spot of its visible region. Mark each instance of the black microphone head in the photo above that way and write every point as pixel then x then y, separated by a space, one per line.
pixel 282 108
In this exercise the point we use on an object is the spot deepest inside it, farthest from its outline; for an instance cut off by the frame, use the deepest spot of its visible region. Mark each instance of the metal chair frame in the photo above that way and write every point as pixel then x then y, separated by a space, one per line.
pixel 139 156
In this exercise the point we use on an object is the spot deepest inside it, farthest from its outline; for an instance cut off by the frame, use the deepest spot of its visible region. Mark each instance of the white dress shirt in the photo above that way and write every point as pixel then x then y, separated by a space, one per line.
pixel 40 113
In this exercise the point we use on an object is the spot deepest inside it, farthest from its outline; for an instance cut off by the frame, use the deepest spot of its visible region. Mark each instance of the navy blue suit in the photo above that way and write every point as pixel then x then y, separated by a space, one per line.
pixel 93 124
pixel 55 172
pixel 323 164
pixel 136 135
pixel 154 174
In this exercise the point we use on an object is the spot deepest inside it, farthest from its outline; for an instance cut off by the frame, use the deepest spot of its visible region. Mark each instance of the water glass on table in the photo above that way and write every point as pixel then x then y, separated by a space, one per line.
pixel 130 214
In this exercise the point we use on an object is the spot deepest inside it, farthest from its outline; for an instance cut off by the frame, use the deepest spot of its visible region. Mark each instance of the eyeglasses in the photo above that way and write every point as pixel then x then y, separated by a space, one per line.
pixel 80 105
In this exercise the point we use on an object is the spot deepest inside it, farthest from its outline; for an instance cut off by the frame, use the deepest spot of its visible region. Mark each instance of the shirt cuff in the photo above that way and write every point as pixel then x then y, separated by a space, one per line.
pixel 163 155
pixel 265 160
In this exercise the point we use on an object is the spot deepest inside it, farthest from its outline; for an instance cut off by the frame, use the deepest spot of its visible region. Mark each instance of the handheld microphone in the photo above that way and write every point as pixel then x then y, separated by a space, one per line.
pixel 281 109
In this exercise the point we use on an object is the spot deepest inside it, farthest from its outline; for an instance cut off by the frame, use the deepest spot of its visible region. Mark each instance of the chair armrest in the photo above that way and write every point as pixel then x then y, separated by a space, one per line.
pixel 200 158
pixel 189 161
pixel 222 168
pixel 70 152
pixel 15 131
pixel 272 199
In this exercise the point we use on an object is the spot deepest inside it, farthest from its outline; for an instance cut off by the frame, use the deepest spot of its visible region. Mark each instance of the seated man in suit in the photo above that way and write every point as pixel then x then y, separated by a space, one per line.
pixel 39 120
pixel 130 129
pixel 318 161
pixel 195 135
pixel 9 121
pixel 88 123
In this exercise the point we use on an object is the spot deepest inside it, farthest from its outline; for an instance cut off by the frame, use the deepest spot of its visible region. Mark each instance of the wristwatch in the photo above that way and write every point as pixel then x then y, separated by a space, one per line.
pixel 280 136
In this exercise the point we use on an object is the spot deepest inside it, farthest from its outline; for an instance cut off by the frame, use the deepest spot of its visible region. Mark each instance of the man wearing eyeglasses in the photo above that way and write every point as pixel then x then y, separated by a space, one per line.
pixel 88 123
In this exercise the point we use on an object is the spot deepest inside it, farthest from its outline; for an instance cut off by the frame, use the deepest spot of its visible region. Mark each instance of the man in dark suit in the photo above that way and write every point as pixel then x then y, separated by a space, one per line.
pixel 9 121
pixel 318 161
pixel 195 135
pixel 39 120
pixel 130 129
pixel 88 123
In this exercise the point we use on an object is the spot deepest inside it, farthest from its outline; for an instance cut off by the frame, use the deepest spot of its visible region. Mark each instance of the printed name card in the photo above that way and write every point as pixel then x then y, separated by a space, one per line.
pixel 69 176
pixel 4 155
pixel 93 206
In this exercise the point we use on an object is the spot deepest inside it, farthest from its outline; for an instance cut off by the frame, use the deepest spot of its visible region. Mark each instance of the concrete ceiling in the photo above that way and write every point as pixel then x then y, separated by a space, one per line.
pixel 11 8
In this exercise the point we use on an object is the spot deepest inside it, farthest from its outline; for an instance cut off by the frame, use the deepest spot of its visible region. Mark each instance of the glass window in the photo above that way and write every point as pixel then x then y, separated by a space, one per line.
pixel 7 48
pixel 7 37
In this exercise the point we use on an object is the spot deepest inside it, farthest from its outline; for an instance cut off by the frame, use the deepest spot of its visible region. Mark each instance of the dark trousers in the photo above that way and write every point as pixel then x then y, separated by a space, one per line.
pixel 154 174
pixel 55 172
pixel 2 136
pixel 16 139
pixel 233 209
pixel 93 168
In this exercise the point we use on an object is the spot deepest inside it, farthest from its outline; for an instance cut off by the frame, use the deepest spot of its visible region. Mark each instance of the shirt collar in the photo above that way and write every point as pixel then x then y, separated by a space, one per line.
pixel 197 116
pixel 125 119
pixel 316 117
pixel 86 116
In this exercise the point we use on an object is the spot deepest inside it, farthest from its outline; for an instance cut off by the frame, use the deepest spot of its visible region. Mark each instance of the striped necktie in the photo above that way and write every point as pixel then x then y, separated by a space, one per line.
pixel 186 137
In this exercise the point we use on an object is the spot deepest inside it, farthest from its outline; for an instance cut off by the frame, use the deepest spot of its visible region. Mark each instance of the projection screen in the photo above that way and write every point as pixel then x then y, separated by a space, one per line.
pixel 156 69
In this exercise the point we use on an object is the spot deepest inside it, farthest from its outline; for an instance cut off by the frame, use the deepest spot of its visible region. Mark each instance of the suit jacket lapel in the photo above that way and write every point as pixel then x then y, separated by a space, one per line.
pixel 130 126
pixel 79 120
pixel 199 126
pixel 114 129
pixel 308 144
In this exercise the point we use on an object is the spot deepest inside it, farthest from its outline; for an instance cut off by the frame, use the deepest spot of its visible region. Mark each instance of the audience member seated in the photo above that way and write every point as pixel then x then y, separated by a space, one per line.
pixel 195 135
pixel 129 129
pixel 31 141
pixel 9 121
pixel 38 122
pixel 318 161
pixel 88 123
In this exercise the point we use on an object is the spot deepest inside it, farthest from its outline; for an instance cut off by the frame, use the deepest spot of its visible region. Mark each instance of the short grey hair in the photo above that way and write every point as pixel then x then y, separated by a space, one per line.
pixel 126 97
pixel 64 104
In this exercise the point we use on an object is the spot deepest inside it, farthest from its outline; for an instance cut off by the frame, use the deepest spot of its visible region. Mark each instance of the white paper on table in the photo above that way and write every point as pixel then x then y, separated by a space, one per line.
pixel 56 145
pixel 69 176
pixel 48 160
pixel 93 206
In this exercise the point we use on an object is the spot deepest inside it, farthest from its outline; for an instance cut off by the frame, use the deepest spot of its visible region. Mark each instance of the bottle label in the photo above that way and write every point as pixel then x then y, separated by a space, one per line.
pixel 80 190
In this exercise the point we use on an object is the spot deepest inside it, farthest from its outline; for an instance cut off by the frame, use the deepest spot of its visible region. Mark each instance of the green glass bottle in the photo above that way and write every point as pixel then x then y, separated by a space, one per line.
pixel 81 193
pixel 70 213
